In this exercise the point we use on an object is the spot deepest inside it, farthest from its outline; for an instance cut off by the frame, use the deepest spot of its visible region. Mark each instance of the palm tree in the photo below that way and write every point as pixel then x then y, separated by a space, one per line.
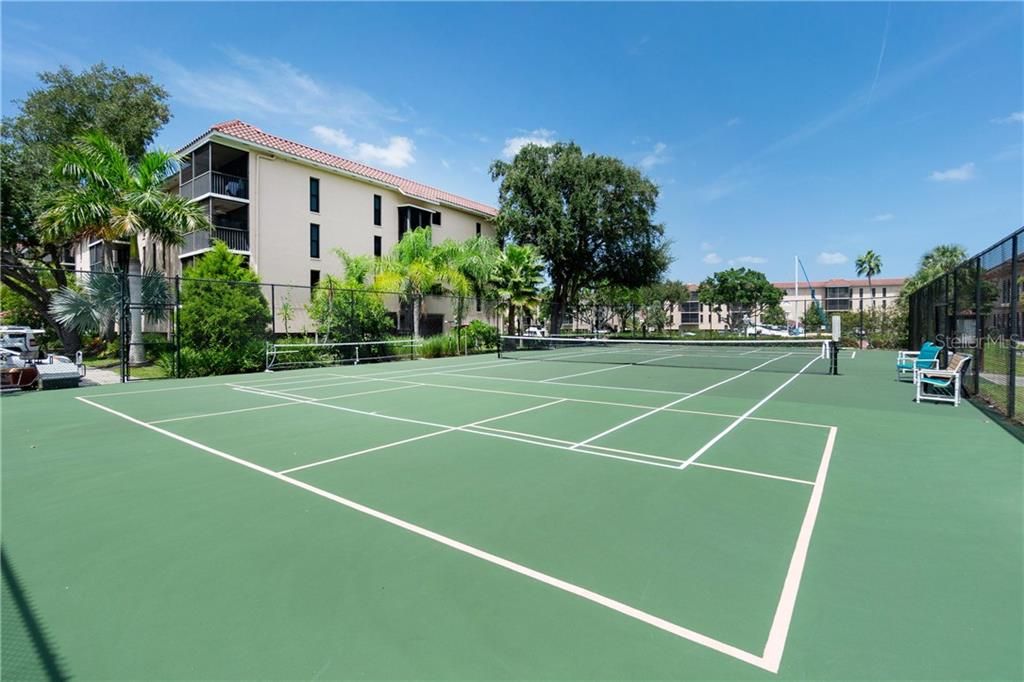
pixel 94 304
pixel 415 267
pixel 942 259
pixel 106 196
pixel 868 265
pixel 517 278
pixel 476 259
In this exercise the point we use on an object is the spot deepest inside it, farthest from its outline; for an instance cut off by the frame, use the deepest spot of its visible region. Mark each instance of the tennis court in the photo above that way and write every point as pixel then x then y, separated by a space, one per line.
pixel 577 511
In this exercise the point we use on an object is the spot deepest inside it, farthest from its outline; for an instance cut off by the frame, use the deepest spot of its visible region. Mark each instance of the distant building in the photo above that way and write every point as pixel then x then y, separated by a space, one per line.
pixel 834 296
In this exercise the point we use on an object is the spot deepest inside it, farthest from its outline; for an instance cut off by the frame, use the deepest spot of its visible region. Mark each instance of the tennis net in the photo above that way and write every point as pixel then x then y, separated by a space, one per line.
pixel 776 355
pixel 289 355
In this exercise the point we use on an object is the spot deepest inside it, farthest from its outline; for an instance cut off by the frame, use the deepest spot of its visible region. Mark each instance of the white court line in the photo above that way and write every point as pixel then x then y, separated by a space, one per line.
pixel 854 355
pixel 532 439
pixel 407 370
pixel 270 407
pixel 449 426
pixel 771 658
pixel 610 403
pixel 551 581
pixel 692 458
pixel 409 440
pixel 674 402
pixel 608 369
pixel 554 383
pixel 750 472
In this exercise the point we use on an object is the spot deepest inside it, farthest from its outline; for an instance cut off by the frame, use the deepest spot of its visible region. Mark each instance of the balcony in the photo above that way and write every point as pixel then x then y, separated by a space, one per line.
pixel 202 240
pixel 215 182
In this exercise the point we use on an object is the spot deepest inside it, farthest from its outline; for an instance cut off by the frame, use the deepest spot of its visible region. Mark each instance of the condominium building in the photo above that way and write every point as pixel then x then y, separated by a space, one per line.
pixel 833 296
pixel 286 207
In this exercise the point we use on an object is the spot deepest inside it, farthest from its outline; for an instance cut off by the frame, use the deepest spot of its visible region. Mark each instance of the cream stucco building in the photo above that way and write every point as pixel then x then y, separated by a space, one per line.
pixel 286 207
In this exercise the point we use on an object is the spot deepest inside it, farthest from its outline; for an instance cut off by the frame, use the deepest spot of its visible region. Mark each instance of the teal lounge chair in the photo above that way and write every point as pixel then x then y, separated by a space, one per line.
pixel 909 362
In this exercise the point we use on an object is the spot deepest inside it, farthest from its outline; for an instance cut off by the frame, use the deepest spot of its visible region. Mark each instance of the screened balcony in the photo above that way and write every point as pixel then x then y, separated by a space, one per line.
pixel 216 170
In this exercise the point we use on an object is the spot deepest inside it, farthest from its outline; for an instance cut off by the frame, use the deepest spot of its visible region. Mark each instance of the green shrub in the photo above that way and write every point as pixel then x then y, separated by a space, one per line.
pixel 442 345
pixel 480 336
pixel 349 311
pixel 224 316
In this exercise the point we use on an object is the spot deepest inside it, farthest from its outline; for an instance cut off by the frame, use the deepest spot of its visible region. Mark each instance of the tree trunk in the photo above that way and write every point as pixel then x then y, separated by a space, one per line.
pixel 24 280
pixel 415 317
pixel 557 310
pixel 136 349
pixel 511 319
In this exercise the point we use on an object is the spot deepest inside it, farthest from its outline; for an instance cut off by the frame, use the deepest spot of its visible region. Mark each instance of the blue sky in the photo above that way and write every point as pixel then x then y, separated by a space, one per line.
pixel 774 130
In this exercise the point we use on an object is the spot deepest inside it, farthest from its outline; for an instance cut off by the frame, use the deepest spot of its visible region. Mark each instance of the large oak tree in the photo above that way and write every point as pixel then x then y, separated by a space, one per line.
pixel 127 108
pixel 590 217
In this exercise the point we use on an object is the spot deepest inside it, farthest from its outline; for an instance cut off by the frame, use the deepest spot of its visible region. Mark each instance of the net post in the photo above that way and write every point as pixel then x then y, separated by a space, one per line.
pixel 357 356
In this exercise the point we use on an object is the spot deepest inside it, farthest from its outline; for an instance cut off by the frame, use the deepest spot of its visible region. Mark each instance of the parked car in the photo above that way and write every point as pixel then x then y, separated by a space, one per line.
pixel 21 340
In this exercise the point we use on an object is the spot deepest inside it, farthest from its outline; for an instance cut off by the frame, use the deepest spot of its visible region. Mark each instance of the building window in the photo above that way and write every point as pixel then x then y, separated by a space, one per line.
pixel 883 304
pixel 862 292
pixel 478 229
pixel 872 292
pixel 883 293
pixel 314 278
pixel 314 240
pixel 376 209
pixel 377 248
pixel 479 304
pixel 411 218
pixel 436 218
pixel 314 195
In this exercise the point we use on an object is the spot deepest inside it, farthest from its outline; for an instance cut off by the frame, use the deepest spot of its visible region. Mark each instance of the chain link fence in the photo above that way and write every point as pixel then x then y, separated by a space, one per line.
pixel 976 309
pixel 152 326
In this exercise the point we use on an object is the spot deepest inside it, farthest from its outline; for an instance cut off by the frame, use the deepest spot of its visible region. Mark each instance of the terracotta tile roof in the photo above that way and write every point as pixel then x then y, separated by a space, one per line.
pixel 245 132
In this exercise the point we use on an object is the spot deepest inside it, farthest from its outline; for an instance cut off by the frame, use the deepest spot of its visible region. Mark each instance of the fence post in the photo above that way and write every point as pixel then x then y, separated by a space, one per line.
pixel 273 314
pixel 177 326
pixel 1011 403
pixel 123 333
pixel 979 322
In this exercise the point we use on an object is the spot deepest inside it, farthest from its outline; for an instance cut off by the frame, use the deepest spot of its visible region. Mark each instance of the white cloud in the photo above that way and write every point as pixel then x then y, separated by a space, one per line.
pixel 1015 117
pixel 707 246
pixel 444 162
pixel 831 258
pixel 335 137
pixel 882 218
pixel 718 189
pixel 541 136
pixel 655 156
pixel 712 258
pixel 240 84
pixel 958 174
pixel 396 154
pixel 748 260
pixel 734 121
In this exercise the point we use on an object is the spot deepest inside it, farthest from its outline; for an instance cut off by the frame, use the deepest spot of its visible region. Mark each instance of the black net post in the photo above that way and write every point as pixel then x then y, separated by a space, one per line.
pixel 123 333
pixel 273 314
pixel 1014 330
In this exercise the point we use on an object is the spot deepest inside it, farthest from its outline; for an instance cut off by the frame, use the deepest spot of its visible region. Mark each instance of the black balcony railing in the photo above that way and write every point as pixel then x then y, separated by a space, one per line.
pixel 230 185
pixel 237 240
pixel 216 183
pixel 200 240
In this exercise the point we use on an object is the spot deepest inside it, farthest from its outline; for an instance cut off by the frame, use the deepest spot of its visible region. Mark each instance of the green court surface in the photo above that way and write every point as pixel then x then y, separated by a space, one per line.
pixel 509 518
